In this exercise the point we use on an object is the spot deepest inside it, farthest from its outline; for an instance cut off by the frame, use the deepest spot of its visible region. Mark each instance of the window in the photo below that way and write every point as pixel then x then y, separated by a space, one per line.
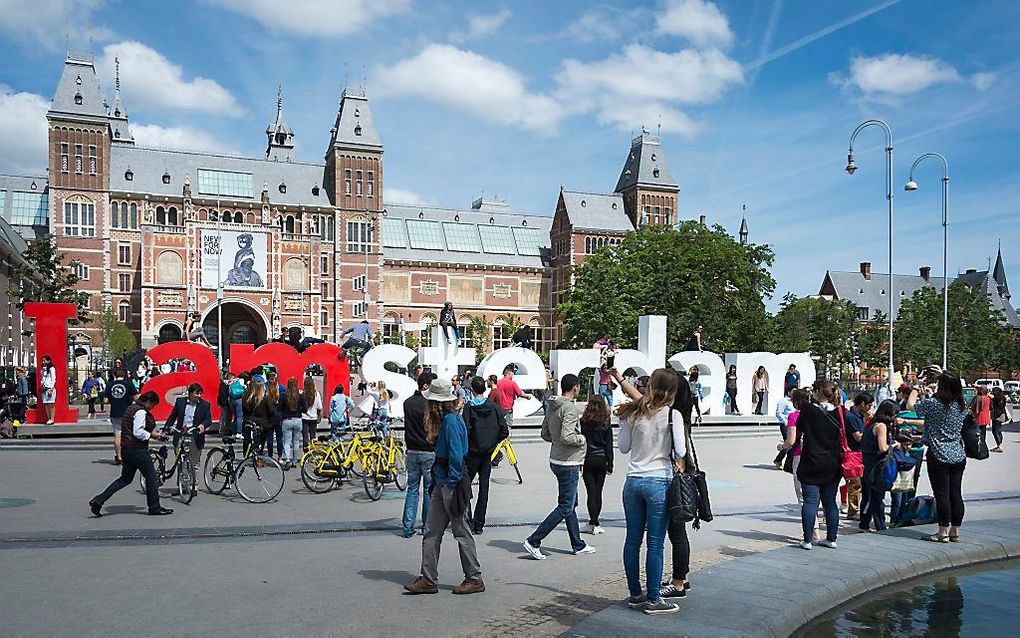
pixel 360 308
pixel 324 265
pixel 30 209
pixel 63 157
pixel 391 328
pixel 324 289
pixel 500 338
pixel 124 254
pixel 863 313
pixel 529 241
pixel 124 282
pixel 462 237
pixel 168 216
pixel 134 215
pixel 359 236
pixel 393 235
pixel 81 271
pixel 347 181
pixel 92 160
pixel 324 318
pixel 77 158
pixel 330 229
pixel 225 183
pixel 294 274
pixel 169 268
pixel 360 283
pixel 371 183
pixel 357 186
pixel 124 311
pixel 422 234
pixel 79 217
pixel 114 214
pixel 497 239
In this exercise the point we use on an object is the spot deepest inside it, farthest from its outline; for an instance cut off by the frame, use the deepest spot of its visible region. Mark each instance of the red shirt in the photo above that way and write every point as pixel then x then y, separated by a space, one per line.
pixel 983 410
pixel 509 391
pixel 496 395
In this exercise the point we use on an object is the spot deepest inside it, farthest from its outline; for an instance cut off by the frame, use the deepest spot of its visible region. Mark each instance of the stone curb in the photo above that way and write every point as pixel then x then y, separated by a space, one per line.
pixel 750 596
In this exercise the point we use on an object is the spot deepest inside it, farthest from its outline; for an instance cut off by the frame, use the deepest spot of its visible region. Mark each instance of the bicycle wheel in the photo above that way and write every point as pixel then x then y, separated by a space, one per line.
pixel 216 471
pixel 373 486
pixel 185 480
pixel 159 464
pixel 399 470
pixel 310 476
pixel 259 479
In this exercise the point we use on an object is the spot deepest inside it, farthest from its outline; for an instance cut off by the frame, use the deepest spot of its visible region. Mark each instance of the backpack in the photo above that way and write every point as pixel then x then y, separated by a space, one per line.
pixel 919 510
pixel 884 473
pixel 236 390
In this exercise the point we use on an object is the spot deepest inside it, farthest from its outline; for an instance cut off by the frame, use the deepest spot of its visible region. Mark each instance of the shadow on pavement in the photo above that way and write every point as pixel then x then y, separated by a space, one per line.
pixel 762 466
pixel 758 535
pixel 389 576
pixel 110 510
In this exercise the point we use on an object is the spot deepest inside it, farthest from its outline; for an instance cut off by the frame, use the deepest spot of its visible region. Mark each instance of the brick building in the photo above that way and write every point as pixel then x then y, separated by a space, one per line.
pixel 257 245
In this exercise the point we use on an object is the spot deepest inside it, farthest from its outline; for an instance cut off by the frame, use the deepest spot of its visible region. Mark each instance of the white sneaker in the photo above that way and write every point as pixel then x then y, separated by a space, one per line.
pixel 828 543
pixel 535 552
pixel 588 529
pixel 587 549
pixel 804 545
pixel 599 530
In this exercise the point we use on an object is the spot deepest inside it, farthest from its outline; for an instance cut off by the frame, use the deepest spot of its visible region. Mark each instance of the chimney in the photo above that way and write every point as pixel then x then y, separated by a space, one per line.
pixel 925 273
pixel 971 271
pixel 866 269
pixel 702 219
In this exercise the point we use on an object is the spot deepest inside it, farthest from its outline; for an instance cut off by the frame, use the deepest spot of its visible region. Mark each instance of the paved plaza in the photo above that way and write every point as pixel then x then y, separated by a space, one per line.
pixel 334 564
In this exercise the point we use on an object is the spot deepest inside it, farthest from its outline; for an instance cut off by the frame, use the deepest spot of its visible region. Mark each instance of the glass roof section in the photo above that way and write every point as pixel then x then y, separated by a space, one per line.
pixel 497 239
pixel 462 237
pixel 393 235
pixel 225 183
pixel 29 209
pixel 424 234
pixel 529 241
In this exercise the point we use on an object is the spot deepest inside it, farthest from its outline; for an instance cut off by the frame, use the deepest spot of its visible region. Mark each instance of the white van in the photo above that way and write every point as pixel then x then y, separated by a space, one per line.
pixel 989 383
pixel 1011 387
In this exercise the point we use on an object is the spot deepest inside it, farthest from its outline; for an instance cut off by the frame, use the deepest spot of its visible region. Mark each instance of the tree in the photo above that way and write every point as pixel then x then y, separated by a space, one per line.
pixel 827 328
pixel 873 343
pixel 44 277
pixel 115 338
pixel 977 333
pixel 511 325
pixel 692 274
pixel 479 334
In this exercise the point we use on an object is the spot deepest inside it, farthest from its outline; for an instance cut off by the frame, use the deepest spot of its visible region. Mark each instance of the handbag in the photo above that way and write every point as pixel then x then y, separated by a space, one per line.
pixel 682 494
pixel 700 481
pixel 904 481
pixel 974 445
pixel 851 461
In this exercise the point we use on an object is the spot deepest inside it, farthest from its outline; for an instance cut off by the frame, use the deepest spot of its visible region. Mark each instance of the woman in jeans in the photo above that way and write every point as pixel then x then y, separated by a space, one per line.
pixel 876 443
pixel 645 434
pixel 760 385
pixel 598 459
pixel 313 412
pixel 731 389
pixel 799 398
pixel 943 426
pixel 820 470
pixel 292 406
pixel 999 417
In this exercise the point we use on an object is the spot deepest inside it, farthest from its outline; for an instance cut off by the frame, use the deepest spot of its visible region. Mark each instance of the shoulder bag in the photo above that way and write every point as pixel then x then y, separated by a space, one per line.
pixel 682 495
pixel 974 445
pixel 692 467
pixel 852 462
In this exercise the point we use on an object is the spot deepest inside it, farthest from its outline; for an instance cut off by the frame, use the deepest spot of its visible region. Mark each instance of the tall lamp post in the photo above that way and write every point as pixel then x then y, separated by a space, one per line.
pixel 851 167
pixel 911 185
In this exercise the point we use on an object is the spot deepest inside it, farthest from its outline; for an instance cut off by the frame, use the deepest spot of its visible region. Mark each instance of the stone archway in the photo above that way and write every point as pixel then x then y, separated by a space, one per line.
pixel 243 322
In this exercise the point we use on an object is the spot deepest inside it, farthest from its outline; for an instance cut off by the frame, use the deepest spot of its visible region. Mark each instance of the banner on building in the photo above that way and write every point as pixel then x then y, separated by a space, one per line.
pixel 235 259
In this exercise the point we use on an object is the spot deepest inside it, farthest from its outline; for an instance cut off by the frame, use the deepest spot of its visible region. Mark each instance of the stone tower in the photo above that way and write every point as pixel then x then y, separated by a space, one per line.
pixel 650 193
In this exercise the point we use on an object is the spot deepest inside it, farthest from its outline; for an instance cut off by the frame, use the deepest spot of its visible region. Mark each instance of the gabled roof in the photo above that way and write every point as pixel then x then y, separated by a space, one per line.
pixel 984 281
pixel 78 79
pixel 149 164
pixel 646 165
pixel 354 124
pixel 596 211
pixel 873 294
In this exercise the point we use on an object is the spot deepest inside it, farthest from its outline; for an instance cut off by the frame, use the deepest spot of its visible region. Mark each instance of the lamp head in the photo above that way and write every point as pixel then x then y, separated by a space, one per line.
pixel 910 186
pixel 851 167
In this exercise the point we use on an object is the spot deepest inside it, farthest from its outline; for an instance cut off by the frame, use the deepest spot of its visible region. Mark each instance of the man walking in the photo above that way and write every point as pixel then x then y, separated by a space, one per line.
pixel 486 427
pixel 137 427
pixel 561 427
pixel 421 456
pixel 121 394
pixel 191 413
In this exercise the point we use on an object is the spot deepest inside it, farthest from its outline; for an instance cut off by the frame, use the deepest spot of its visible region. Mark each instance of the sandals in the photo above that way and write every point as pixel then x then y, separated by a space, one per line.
pixel 937 538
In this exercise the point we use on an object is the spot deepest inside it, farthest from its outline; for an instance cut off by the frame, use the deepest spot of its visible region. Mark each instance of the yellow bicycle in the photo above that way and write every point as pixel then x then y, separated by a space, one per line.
pixel 384 462
pixel 506 448
pixel 328 462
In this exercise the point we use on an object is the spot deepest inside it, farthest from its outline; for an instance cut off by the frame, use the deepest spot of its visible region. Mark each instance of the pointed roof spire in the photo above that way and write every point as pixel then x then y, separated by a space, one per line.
pixel 743 225
pixel 279 134
pixel 999 274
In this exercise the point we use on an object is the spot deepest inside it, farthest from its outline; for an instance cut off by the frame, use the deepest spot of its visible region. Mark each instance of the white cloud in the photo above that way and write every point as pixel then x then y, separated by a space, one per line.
pixel 638 85
pixel 150 80
pixel 393 195
pixel 604 23
pixel 897 74
pixel 23 129
pixel 470 83
pixel 982 81
pixel 45 22
pixel 317 18
pixel 177 137
pixel 480 26
pixel 699 21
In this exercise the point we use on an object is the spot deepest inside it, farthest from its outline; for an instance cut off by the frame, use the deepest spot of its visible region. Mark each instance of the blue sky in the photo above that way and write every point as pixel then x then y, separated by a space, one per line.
pixel 756 98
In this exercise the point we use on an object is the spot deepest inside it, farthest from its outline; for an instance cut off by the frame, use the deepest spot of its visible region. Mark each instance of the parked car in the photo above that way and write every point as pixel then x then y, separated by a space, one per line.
pixel 990 383
pixel 1012 387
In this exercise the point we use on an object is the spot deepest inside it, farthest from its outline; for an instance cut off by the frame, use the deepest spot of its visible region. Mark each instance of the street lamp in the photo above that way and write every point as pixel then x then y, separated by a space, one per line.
pixel 851 168
pixel 910 186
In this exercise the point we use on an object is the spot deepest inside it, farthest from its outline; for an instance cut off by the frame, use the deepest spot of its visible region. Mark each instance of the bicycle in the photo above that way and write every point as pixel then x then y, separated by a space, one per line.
pixel 257 478
pixel 383 463
pixel 508 449
pixel 327 462
pixel 182 466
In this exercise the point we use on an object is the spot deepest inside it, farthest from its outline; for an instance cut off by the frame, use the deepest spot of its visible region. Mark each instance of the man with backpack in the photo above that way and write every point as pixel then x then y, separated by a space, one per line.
pixel 121 393
pixel 486 427
pixel 236 393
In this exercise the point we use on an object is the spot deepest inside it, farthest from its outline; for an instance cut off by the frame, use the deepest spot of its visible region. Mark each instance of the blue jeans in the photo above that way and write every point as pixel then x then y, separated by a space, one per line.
pixel 419 470
pixel 452 334
pixel 384 422
pixel 238 408
pixel 291 440
pixel 606 394
pixel 274 433
pixel 873 510
pixel 644 506
pixel 337 428
pixel 896 503
pixel 809 510
pixel 566 502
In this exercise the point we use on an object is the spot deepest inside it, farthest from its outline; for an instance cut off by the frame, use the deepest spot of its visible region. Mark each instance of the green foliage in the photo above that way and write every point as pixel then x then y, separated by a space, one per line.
pixel 479 335
pixel 511 325
pixel 47 279
pixel 873 343
pixel 694 275
pixel 827 328
pixel 978 339
pixel 115 338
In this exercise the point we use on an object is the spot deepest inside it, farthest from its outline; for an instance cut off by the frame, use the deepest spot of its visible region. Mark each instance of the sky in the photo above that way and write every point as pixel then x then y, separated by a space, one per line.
pixel 755 100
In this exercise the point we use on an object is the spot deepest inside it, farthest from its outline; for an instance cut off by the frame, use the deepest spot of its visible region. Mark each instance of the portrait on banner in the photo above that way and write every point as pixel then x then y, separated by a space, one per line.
pixel 235 259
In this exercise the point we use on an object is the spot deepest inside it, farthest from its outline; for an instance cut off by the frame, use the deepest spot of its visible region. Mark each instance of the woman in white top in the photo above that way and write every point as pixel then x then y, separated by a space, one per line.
pixel 312 414
pixel 48 384
pixel 646 435
pixel 382 404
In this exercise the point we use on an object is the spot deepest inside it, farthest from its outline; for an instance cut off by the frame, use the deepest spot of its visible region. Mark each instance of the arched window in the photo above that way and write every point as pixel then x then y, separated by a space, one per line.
pixel 391 328
pixel 169 269
pixel 251 218
pixel 79 216
pixel 171 216
pixel 428 320
pixel 124 312
pixel 161 216
pixel 114 214
pixel 294 274
pixel 169 332
pixel 134 215
pixel 288 225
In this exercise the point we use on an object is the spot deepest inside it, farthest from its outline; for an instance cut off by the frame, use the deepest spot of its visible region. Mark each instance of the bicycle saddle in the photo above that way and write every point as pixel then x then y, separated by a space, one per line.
pixel 228 440
pixel 323 437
